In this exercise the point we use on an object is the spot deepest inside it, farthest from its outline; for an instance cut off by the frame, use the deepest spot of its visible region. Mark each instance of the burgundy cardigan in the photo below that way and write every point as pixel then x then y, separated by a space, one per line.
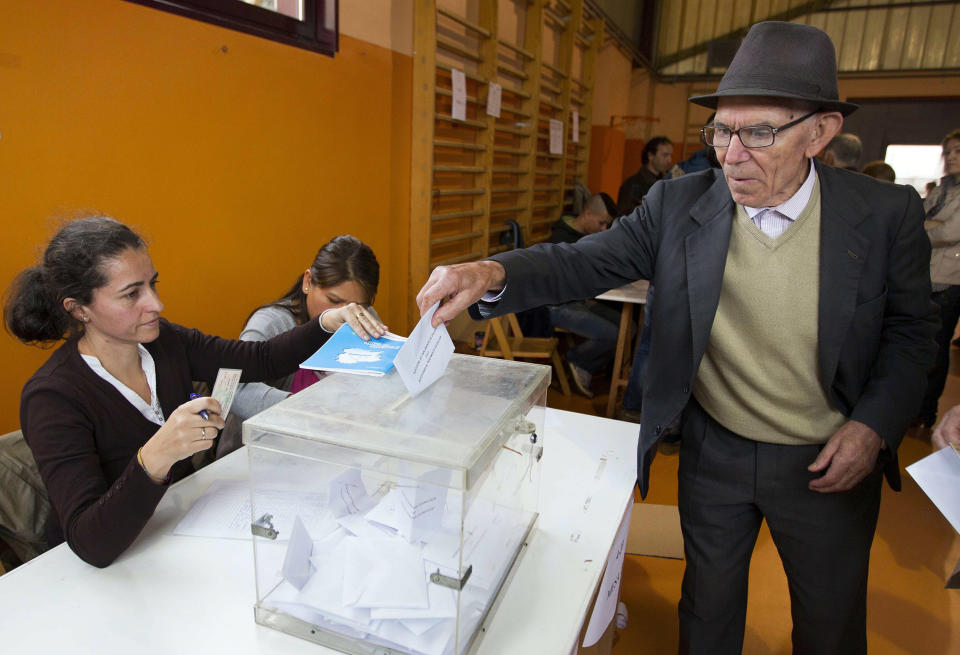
pixel 85 435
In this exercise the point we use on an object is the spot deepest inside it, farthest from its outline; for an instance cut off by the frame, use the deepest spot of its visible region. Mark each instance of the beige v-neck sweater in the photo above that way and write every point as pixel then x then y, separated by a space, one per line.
pixel 759 376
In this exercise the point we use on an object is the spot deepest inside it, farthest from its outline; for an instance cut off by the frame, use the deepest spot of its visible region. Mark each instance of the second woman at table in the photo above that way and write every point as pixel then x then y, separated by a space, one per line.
pixel 344 276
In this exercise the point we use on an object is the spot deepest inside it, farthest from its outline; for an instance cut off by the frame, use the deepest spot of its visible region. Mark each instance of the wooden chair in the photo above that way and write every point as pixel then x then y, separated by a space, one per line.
pixel 509 343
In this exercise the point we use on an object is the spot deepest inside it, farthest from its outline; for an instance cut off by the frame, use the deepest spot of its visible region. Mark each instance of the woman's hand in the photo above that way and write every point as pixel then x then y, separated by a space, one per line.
pixel 184 433
pixel 358 317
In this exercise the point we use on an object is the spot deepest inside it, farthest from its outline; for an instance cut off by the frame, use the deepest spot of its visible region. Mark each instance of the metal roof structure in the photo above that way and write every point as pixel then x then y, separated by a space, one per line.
pixel 697 38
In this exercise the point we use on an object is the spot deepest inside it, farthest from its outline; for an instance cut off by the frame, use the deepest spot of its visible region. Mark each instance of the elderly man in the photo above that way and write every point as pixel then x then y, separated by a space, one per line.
pixel 792 330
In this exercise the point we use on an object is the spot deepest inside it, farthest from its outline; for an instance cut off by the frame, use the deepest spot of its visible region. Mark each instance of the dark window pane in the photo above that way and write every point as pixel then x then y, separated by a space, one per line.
pixel 309 24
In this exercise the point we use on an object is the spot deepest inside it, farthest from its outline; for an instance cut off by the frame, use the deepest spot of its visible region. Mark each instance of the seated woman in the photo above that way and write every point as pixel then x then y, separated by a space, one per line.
pixel 344 275
pixel 108 416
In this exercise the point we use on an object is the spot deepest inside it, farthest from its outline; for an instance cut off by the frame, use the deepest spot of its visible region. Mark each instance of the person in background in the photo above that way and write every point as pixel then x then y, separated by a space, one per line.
pixel 341 282
pixel 594 321
pixel 942 222
pixel 109 417
pixel 880 170
pixel 656 157
pixel 793 331
pixel 843 151
pixel 930 186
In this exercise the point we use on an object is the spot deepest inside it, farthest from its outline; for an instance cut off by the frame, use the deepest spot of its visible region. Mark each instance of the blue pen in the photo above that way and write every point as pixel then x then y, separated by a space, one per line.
pixel 203 412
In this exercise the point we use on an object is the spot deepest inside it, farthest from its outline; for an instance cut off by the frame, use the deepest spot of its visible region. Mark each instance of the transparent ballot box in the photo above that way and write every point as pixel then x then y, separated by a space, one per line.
pixel 388 524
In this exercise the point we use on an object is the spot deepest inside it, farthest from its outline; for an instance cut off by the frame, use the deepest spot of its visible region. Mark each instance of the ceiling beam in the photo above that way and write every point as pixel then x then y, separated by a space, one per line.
pixel 811 7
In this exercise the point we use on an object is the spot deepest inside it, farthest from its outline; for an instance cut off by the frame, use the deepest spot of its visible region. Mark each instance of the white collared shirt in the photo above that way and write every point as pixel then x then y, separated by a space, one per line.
pixel 772 221
pixel 152 411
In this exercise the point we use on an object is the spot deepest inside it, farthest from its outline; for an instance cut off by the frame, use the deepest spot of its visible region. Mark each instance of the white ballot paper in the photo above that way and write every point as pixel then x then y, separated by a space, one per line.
pixel 609 594
pixel 556 137
pixel 296 564
pixel 424 357
pixel 225 388
pixel 348 495
pixel 939 477
pixel 459 80
pixel 383 573
pixel 494 93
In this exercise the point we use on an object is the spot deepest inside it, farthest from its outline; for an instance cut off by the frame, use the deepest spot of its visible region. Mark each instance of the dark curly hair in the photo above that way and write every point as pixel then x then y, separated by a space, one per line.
pixel 72 267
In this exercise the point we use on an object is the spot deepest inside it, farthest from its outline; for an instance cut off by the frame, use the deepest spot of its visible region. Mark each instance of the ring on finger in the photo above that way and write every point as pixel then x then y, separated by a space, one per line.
pixel 203 433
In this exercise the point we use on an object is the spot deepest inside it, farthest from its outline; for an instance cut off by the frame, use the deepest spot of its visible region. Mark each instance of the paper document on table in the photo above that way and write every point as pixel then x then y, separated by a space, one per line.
pixel 939 477
pixel 424 357
pixel 225 388
pixel 224 512
pixel 609 593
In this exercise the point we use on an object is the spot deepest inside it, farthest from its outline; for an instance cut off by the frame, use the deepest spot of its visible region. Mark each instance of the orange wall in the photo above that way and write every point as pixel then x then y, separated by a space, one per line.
pixel 237 157
pixel 606 160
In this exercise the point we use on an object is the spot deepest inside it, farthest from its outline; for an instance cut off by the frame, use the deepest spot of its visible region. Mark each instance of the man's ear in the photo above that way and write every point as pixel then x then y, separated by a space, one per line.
pixel 827 126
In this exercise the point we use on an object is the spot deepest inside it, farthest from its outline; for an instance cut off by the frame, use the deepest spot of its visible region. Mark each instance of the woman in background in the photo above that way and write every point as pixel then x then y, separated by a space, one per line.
pixel 108 417
pixel 343 281
pixel 942 222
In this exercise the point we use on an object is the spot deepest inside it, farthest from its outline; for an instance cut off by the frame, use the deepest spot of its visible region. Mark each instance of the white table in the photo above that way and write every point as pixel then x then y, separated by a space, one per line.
pixel 172 594
pixel 631 294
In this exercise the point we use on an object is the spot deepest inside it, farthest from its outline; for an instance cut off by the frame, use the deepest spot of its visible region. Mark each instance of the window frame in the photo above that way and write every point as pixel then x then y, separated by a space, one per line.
pixel 310 34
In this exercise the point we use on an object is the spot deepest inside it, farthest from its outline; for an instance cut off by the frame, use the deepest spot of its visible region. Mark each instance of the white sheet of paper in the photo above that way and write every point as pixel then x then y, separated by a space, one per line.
pixel 358 525
pixel 494 93
pixel 296 565
pixel 424 357
pixel 432 642
pixel 609 593
pixel 441 600
pixel 383 573
pixel 225 388
pixel 324 590
pixel 556 137
pixel 385 512
pixel 459 80
pixel 938 475
pixel 224 512
pixel 348 494
pixel 419 626
pixel 575 136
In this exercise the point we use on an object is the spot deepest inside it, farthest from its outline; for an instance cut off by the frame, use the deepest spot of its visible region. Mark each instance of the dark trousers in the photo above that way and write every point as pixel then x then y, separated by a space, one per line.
pixel 948 301
pixel 728 485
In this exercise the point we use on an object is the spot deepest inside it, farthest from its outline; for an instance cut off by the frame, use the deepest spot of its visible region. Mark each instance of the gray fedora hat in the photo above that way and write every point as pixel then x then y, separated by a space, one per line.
pixel 783 60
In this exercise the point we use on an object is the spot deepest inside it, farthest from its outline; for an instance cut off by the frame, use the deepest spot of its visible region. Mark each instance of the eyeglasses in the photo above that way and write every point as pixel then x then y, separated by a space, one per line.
pixel 751 136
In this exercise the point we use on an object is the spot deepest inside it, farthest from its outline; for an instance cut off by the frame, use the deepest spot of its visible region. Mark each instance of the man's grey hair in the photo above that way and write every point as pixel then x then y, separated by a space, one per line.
pixel 846 150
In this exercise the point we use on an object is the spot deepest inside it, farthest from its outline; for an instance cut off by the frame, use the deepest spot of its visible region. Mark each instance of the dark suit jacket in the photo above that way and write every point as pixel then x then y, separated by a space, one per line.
pixel 876 319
